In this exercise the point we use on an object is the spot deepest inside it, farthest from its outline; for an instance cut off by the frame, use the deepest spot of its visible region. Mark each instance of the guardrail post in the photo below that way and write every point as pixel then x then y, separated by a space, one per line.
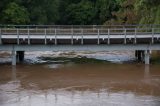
pixel 135 36
pixel 45 32
pixel 28 36
pixel 125 36
pixel 0 36
pixel 152 35
pixel 108 36
pixel 98 38
pixel 17 36
pixel 55 37
pixel 82 36
pixel 72 36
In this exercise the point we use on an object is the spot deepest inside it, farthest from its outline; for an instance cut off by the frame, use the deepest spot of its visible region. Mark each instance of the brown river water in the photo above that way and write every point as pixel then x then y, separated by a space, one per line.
pixel 70 84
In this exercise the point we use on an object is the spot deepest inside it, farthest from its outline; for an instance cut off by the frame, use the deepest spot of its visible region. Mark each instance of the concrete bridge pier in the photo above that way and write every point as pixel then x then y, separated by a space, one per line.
pixel 17 57
pixel 147 57
pixel 139 54
pixel 13 58
pixel 20 56
pixel 143 56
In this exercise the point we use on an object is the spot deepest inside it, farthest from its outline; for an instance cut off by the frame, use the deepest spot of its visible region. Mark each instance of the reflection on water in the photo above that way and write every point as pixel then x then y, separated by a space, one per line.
pixel 79 98
pixel 14 73
pixel 146 72
pixel 80 84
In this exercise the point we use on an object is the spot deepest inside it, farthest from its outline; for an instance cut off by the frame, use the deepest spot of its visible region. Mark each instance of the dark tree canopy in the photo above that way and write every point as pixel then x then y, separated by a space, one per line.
pixel 79 12
pixel 16 14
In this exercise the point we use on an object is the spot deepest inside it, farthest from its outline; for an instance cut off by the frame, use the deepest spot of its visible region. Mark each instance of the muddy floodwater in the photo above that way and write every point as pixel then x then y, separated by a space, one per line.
pixel 72 84
pixel 80 84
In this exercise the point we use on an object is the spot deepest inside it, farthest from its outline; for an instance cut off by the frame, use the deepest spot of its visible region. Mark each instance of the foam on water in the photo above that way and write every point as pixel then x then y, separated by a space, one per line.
pixel 113 56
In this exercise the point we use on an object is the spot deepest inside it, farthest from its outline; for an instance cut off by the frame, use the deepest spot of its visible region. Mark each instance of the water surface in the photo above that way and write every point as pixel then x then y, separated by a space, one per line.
pixel 90 84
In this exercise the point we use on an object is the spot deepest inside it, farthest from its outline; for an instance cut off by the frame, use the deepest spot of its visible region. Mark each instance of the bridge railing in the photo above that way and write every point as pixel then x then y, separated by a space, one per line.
pixel 82 26
pixel 79 31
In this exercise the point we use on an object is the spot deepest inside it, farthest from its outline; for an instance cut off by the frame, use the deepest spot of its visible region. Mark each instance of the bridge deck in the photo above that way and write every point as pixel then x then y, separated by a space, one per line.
pixel 79 35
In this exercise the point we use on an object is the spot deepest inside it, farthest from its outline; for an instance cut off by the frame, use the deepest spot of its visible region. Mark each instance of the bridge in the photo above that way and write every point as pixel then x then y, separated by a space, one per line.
pixel 139 38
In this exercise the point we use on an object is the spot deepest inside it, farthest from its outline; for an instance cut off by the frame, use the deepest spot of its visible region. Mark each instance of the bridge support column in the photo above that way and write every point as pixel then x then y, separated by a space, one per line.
pixel 139 54
pixel 20 56
pixel 136 54
pixel 147 57
pixel 13 57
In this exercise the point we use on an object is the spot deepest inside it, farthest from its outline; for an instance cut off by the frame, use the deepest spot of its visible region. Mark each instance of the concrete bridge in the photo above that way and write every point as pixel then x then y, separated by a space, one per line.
pixel 140 38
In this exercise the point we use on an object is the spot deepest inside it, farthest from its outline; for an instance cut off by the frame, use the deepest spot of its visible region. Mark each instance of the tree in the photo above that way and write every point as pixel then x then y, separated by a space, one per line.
pixel 15 14
pixel 148 11
pixel 104 9
pixel 81 13
pixel 157 16
pixel 52 11
pixel 42 11
pixel 126 13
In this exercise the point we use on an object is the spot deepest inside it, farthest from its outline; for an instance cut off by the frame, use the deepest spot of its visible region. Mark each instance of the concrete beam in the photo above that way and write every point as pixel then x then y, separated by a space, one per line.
pixel 78 47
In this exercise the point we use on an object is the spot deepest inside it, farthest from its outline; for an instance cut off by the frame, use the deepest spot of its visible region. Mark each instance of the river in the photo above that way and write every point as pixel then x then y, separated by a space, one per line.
pixel 41 83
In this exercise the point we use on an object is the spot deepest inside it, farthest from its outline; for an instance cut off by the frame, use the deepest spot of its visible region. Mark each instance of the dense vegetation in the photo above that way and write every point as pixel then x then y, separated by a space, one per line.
pixel 71 12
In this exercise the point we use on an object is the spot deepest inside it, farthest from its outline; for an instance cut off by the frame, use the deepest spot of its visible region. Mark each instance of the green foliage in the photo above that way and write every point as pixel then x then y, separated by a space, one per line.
pixel 43 11
pixel 83 12
pixel 126 13
pixel 105 8
pixel 157 16
pixel 15 14
pixel 137 12
pixel 148 11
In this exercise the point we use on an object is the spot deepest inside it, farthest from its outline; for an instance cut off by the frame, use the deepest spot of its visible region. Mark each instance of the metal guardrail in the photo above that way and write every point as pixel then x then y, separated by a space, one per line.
pixel 78 31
